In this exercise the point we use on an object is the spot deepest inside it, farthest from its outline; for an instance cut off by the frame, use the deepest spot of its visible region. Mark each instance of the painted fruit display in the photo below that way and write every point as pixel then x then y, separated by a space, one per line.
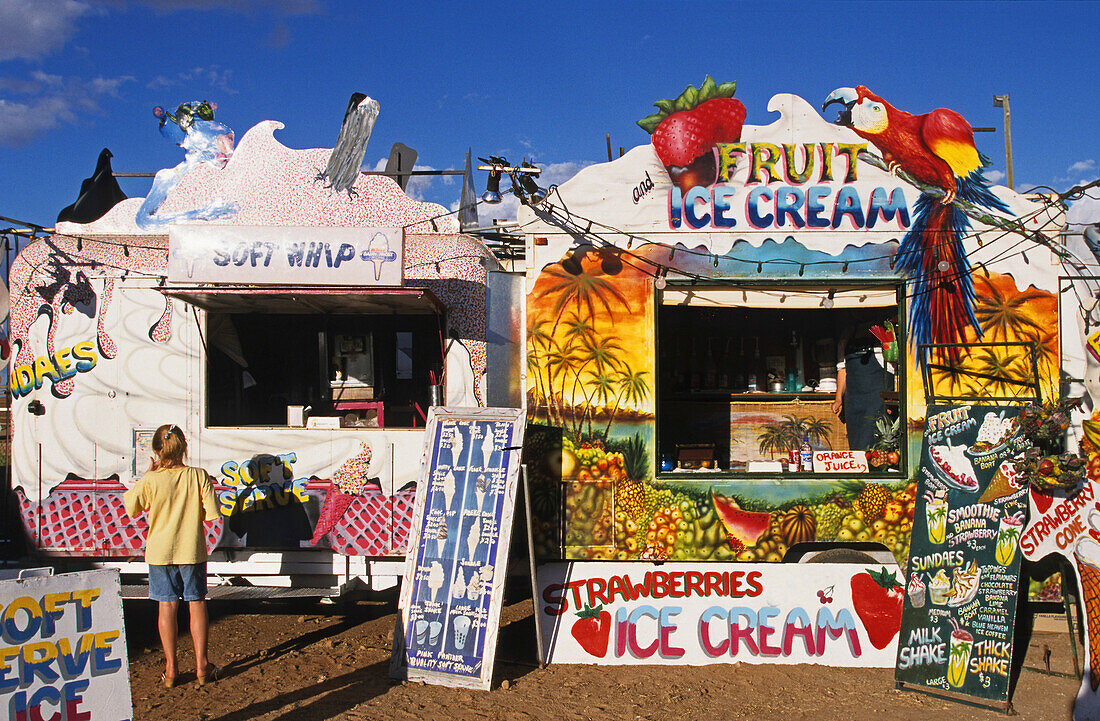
pixel 799 525
pixel 746 527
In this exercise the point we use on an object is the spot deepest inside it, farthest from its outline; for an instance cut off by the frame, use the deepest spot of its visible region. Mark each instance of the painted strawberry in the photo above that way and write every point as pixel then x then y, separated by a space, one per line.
pixel 593 630
pixel 1043 501
pixel 686 131
pixel 877 596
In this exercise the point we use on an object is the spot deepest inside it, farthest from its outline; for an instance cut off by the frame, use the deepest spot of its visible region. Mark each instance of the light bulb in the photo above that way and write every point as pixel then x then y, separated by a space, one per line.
pixel 659 283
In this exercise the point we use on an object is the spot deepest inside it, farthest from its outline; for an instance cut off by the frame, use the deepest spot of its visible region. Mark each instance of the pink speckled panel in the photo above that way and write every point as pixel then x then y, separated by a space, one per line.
pixel 276 185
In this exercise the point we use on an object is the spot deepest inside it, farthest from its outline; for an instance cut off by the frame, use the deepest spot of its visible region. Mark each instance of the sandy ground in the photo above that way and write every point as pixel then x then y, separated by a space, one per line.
pixel 299 661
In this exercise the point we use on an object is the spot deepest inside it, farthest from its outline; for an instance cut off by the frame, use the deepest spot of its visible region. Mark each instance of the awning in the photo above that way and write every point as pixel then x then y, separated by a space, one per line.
pixel 801 297
pixel 277 300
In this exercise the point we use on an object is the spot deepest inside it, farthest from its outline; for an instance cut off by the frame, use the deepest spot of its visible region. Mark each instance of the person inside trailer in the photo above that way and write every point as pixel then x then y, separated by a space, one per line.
pixel 862 376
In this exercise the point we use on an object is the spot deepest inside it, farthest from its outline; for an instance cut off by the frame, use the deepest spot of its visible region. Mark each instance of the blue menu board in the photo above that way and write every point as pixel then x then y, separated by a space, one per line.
pixel 458 550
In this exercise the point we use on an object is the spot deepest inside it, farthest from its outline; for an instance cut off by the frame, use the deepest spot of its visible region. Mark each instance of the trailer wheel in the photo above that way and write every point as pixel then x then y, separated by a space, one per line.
pixel 839 555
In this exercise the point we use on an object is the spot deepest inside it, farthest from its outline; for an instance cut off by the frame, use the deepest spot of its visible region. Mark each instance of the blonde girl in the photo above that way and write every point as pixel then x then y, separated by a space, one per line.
pixel 178 498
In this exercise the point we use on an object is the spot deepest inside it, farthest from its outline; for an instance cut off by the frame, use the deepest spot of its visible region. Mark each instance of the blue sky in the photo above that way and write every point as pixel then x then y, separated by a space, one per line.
pixel 539 80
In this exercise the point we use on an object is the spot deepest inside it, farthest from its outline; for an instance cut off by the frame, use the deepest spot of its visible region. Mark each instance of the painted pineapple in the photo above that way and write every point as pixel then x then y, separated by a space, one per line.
pixel 872 501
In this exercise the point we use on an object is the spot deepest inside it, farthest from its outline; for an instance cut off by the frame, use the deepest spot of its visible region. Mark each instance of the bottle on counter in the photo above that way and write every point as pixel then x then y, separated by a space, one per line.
pixel 739 369
pixel 710 368
pixel 806 453
pixel 695 369
pixel 679 366
pixel 724 368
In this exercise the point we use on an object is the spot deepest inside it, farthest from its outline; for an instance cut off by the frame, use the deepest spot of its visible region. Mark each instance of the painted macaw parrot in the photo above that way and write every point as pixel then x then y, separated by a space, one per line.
pixel 936 148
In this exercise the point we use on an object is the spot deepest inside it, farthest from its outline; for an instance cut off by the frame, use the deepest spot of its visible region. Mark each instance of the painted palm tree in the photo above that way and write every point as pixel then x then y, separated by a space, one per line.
pixel 952 372
pixel 1003 365
pixel 1046 357
pixel 773 439
pixel 600 354
pixel 578 332
pixel 817 430
pixel 558 361
pixel 583 290
pixel 632 388
pixel 539 340
pixel 936 515
pixel 602 385
pixel 1003 317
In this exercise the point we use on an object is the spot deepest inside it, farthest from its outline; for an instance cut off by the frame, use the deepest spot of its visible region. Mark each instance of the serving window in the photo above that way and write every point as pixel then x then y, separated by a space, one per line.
pixel 357 359
pixel 748 374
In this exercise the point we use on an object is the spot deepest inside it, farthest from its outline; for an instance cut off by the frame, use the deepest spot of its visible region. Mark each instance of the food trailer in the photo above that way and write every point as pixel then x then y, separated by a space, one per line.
pixel 297 340
pixel 695 308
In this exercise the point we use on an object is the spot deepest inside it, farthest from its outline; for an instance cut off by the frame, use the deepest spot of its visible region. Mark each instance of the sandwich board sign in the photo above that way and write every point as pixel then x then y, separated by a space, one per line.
pixel 63 651
pixel 457 558
pixel 963 575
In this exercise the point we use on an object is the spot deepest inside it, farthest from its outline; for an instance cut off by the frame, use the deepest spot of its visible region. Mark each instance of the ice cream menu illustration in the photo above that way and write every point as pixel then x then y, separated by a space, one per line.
pixel 964 567
pixel 458 549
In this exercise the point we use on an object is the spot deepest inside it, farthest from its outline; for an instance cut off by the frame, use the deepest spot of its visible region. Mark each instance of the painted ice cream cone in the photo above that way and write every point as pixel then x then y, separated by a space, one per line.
pixel 487 448
pixel 473 538
pixel 448 488
pixel 378 252
pixel 435 578
pixel 441 541
pixel 456 446
pixel 458 587
pixel 1087 555
pixel 480 488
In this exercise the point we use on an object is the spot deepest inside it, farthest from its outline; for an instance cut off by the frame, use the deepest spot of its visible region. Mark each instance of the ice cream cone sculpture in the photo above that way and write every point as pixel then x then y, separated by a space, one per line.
pixel 1087 554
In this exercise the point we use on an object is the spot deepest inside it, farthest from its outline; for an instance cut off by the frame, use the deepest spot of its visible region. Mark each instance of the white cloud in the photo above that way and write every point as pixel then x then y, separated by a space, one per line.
pixel 285 7
pixel 1082 165
pixel 201 78
pixel 995 176
pixel 508 208
pixel 420 186
pixel 50 101
pixel 1084 211
pixel 36 28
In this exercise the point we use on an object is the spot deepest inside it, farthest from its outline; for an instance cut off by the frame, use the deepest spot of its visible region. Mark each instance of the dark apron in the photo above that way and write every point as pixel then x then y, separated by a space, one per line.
pixel 865 380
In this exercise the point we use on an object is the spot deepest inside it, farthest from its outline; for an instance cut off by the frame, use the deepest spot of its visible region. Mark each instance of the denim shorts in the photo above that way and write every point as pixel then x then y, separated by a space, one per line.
pixel 185 581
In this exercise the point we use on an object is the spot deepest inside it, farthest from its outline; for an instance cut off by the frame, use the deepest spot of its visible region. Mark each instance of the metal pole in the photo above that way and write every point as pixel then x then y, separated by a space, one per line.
pixel 531 564
pixel 1001 101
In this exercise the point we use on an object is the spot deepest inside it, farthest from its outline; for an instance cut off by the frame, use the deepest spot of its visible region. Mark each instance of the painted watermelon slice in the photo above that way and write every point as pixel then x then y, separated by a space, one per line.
pixel 745 526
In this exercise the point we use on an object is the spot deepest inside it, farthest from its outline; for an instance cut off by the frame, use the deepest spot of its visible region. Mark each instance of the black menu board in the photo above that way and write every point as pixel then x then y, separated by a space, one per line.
pixel 964 565
pixel 457 558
